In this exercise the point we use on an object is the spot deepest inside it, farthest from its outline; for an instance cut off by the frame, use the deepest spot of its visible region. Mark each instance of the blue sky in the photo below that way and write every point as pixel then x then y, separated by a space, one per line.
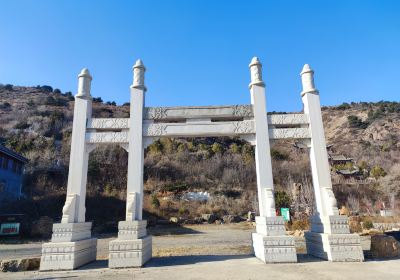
pixel 197 52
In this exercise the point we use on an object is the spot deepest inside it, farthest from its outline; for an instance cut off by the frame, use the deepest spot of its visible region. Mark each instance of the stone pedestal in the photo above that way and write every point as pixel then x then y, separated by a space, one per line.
pixel 133 248
pixel 71 246
pixel 330 239
pixel 270 242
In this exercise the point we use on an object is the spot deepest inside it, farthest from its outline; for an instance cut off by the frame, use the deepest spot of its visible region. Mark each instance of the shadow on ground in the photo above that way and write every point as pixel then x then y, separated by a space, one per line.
pixel 171 229
pixel 186 260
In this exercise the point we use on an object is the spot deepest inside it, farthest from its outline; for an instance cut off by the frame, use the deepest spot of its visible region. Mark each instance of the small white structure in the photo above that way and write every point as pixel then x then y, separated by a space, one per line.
pixel 72 245
pixel 196 196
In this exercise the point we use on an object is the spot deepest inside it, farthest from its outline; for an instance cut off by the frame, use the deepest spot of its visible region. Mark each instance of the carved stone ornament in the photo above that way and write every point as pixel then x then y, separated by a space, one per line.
pixel 138 75
pixel 255 72
pixel 107 137
pixel 131 206
pixel 242 110
pixel 294 133
pixel 156 129
pixel 154 113
pixel 243 127
pixel 111 123
pixel 69 209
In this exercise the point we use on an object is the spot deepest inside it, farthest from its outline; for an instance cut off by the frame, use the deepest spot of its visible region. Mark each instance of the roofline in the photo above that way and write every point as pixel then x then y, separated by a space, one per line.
pixel 13 154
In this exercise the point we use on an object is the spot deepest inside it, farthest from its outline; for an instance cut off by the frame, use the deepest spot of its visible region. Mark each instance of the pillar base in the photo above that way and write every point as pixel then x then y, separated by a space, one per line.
pixel 133 248
pixel 71 246
pixel 270 242
pixel 330 239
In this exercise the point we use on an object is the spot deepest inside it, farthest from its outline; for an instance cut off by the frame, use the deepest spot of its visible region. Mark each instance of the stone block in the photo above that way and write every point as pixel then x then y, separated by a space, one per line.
pixel 330 224
pixel 334 247
pixel 68 255
pixel 130 253
pixel 270 226
pixel 67 232
pixel 128 230
pixel 274 249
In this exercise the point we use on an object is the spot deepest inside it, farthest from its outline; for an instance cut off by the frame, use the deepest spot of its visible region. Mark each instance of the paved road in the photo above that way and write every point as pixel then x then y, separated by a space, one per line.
pixel 226 267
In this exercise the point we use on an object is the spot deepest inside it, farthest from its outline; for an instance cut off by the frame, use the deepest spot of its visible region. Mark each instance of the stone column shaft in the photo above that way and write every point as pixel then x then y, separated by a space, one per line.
pixel 78 163
pixel 136 149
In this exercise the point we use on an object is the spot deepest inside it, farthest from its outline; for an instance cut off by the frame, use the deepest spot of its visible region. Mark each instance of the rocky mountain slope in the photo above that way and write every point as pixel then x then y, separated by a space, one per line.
pixel 37 121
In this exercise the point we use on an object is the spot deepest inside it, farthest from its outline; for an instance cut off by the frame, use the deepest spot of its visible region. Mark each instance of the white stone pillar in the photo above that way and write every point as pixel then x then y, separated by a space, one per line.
pixel 330 236
pixel 71 244
pixel 265 186
pixel 136 149
pixel 270 242
pixel 133 246
pixel 79 154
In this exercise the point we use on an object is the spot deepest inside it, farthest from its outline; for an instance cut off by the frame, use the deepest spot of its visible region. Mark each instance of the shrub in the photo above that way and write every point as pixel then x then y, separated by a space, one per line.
pixel 368 225
pixel 277 155
pixel 217 148
pixel 282 199
pixel 46 89
pixel 356 122
pixel 5 105
pixel 8 87
pixel 377 172
pixel 56 90
pixel 344 106
pixel 155 203
pixel 303 224
pixel 97 100
pixel 21 125
pixel 234 148
pixel 111 103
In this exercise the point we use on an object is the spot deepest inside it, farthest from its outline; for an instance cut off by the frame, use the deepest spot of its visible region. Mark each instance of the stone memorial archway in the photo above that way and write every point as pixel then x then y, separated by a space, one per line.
pixel 72 245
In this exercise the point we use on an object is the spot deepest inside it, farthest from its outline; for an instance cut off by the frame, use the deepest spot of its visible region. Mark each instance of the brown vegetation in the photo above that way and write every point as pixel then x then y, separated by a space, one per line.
pixel 36 122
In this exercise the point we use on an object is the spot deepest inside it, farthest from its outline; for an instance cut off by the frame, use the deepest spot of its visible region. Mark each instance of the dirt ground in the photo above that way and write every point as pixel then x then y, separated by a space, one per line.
pixel 205 252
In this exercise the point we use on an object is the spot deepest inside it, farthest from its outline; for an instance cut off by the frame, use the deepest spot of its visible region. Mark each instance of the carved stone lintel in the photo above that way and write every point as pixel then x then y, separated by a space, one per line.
pixel 243 127
pixel 107 137
pixel 243 110
pixel 156 129
pixel 108 123
pixel 155 113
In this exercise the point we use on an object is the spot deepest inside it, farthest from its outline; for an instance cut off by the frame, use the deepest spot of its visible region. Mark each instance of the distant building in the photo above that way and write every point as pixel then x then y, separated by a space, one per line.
pixel 338 159
pixel 11 171
pixel 346 173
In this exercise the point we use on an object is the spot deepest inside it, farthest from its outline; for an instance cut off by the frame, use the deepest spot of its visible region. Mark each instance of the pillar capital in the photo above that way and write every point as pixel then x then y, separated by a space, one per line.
pixel 84 83
pixel 138 75
pixel 307 80
pixel 256 72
